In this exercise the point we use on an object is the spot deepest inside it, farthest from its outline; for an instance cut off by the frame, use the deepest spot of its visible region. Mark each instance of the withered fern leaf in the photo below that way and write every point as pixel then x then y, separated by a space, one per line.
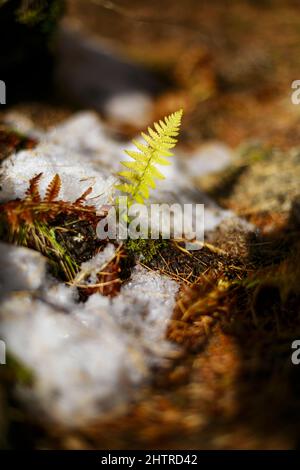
pixel 53 189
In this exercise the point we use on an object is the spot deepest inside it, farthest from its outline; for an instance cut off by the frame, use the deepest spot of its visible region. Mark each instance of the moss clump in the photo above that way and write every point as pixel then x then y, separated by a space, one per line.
pixel 145 250
pixel 44 14
pixel 15 371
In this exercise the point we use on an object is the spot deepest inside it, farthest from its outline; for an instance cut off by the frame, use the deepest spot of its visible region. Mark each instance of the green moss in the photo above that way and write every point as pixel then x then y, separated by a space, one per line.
pixel 254 152
pixel 44 14
pixel 30 16
pixel 41 13
pixel 18 371
pixel 145 250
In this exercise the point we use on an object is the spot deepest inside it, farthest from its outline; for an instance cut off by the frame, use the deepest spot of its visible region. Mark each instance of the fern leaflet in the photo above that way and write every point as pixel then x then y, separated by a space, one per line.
pixel 141 173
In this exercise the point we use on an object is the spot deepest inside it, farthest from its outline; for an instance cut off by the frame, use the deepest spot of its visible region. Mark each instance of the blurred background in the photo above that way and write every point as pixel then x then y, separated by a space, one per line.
pixel 230 65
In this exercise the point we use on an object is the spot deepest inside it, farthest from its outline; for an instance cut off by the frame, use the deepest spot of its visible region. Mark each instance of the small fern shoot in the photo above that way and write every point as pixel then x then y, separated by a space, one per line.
pixel 140 174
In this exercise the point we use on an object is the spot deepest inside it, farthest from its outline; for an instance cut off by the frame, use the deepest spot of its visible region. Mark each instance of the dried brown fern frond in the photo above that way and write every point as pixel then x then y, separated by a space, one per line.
pixel 83 197
pixel 32 193
pixel 49 225
pixel 34 208
pixel 53 189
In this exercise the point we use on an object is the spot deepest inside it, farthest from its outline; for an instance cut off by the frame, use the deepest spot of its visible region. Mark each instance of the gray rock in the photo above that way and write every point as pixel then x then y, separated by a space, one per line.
pixel 91 73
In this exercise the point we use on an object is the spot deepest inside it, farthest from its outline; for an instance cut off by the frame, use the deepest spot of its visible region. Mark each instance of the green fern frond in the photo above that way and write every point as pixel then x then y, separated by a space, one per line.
pixel 141 173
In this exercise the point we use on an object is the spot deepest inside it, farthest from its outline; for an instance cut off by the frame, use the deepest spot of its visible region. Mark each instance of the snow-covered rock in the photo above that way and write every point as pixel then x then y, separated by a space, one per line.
pixel 134 108
pixel 21 269
pixel 85 134
pixel 86 359
pixel 208 158
pixel 92 73
pixel 82 362
pixel 91 268
pixel 76 174
pixel 156 294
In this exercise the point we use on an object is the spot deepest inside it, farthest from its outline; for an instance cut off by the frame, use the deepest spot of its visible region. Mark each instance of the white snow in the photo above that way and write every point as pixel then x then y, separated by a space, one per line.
pixel 156 295
pixel 87 359
pixel 91 268
pixel 139 104
pixel 87 136
pixel 21 269
pixel 22 124
pixel 208 158
pixel 80 369
pixel 76 174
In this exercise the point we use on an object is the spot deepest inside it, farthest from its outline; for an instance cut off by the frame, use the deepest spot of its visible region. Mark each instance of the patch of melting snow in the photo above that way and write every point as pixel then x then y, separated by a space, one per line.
pixel 139 103
pixel 81 368
pixel 58 295
pixel 87 359
pixel 208 158
pixel 156 294
pixel 21 269
pixel 22 124
pixel 76 174
pixel 91 268
pixel 86 135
